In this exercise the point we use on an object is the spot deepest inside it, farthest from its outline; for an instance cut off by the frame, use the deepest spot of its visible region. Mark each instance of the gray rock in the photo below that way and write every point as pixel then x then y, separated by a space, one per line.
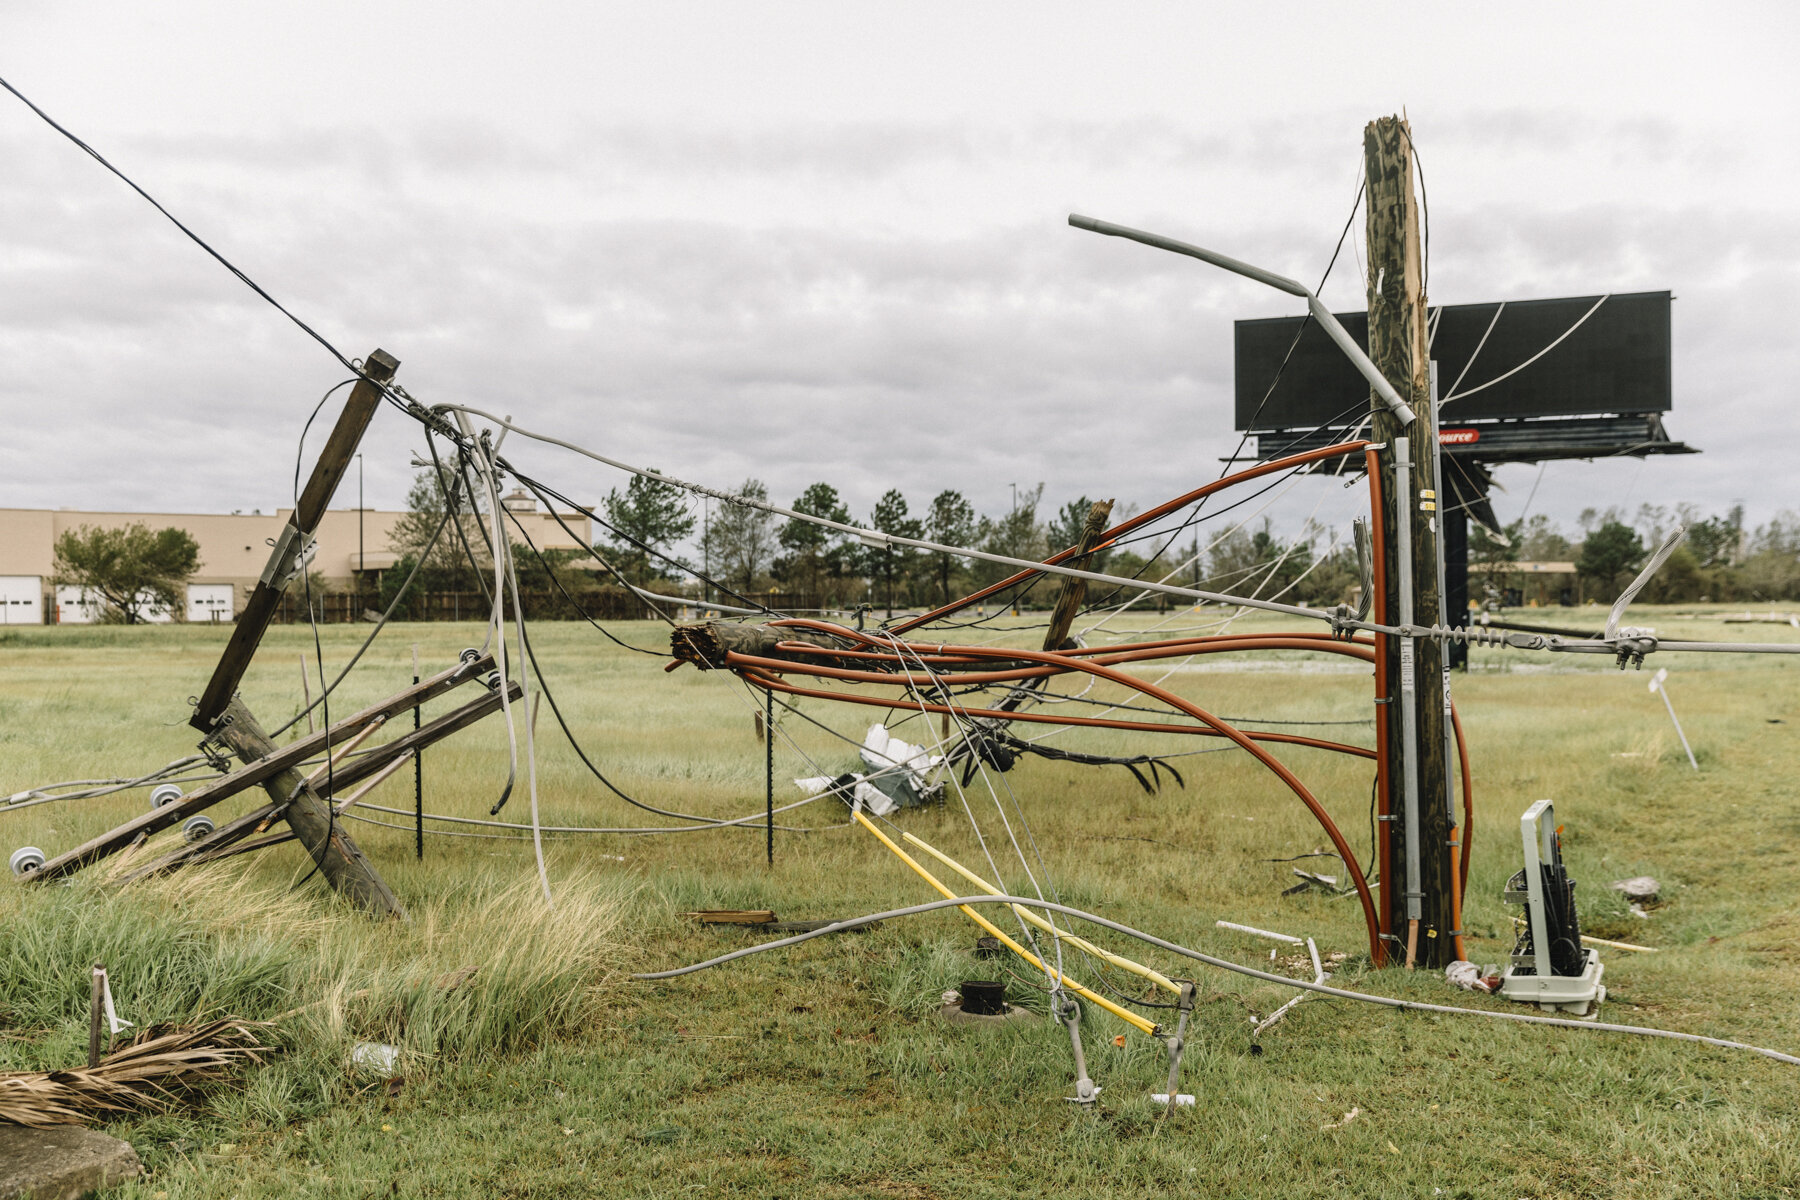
pixel 62 1162
pixel 1641 889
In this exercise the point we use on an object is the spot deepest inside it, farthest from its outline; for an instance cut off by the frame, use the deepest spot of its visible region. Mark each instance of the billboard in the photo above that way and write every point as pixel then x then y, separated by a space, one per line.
pixel 1616 362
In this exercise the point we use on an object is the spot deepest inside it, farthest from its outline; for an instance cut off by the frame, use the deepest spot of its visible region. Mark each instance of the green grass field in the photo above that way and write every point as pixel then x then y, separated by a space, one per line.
pixel 823 1071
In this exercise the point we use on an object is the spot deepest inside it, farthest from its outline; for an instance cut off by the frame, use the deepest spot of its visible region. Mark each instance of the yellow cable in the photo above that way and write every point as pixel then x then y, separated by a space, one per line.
pixel 1078 942
pixel 1122 1013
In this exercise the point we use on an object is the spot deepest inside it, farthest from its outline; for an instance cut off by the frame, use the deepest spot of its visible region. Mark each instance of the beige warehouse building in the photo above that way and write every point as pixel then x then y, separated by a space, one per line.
pixel 234 548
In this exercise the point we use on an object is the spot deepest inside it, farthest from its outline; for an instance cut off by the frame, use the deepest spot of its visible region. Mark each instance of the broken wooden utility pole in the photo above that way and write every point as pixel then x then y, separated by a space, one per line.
pixel 223 718
pixel 1419 909
pixel 293 546
pixel 340 861
pixel 1073 591
pixel 290 755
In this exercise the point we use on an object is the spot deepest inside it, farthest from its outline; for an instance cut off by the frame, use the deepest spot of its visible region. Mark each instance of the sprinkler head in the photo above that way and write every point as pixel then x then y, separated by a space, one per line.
pixel 168 793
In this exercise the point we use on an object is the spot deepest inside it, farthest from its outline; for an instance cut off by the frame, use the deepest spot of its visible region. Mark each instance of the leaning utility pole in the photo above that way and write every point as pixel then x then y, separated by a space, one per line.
pixel 1419 831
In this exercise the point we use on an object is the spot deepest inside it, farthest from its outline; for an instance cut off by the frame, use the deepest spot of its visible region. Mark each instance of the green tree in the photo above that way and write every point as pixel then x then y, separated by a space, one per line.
pixel 818 560
pixel 447 560
pixel 1771 566
pixel 1542 541
pixel 1256 564
pixel 1067 528
pixel 951 522
pixel 133 569
pixel 651 511
pixel 740 541
pixel 1718 541
pixel 1609 555
pixel 890 562
pixel 1018 534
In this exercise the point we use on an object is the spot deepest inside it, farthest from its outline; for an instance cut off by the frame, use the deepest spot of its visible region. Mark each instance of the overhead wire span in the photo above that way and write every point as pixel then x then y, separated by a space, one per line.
pixel 1455 395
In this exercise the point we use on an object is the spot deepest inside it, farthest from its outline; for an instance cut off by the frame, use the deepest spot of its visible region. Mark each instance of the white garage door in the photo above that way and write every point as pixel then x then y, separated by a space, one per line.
pixel 210 603
pixel 21 600
pixel 76 606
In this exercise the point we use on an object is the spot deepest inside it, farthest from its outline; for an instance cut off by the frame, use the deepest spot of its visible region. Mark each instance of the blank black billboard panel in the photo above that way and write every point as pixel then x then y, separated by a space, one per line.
pixel 1616 362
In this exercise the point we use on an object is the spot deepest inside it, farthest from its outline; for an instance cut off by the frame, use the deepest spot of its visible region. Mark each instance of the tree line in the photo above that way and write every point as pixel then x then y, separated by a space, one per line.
pixel 750 551
pixel 1719 560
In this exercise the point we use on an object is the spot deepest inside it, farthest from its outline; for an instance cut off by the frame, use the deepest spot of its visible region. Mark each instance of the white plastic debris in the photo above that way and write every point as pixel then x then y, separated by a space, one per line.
pixel 872 798
pixel 881 750
pixel 1469 977
pixel 377 1057
pixel 1182 1099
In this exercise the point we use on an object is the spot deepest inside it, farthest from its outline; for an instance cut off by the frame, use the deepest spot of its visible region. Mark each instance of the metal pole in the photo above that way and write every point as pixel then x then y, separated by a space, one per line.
pixel 1409 689
pixel 1444 616
pixel 769 772
pixel 361 563
pixel 1684 742
pixel 418 774
pixel 95 1016
pixel 1660 685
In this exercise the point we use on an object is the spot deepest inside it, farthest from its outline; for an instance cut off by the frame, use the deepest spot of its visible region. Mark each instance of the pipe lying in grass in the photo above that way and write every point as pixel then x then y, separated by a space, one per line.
pixel 1025 914
pixel 1209 960
pixel 1056 974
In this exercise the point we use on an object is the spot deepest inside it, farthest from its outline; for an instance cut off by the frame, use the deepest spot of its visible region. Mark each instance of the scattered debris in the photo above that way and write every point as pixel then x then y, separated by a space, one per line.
pixel 378 1058
pixel 1639 889
pixel 1280 937
pixel 898 775
pixel 150 1072
pixel 733 916
pixel 1471 978
pixel 1344 1120
pixel 1310 881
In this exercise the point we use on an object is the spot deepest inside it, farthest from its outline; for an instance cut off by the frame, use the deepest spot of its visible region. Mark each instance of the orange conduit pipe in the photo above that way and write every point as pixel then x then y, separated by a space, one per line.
pixel 757 671
pixel 1137 522
pixel 1459 878
pixel 1243 741
pixel 1109 658
pixel 769 666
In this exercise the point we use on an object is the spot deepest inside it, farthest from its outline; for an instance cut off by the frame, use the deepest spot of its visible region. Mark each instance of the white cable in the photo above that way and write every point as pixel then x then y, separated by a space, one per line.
pixel 537 834
pixel 1456 395
pixel 875 536
pixel 1451 391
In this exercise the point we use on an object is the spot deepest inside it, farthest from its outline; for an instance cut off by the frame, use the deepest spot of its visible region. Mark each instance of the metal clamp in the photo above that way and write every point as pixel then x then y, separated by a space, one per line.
pixel 1087 1093
pixel 1185 1002
pixel 1632 645
pixel 293 552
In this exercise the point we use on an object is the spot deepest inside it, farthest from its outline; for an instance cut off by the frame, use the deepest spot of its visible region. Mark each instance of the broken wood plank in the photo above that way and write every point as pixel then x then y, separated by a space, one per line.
pixel 733 916
pixel 252 774
pixel 259 610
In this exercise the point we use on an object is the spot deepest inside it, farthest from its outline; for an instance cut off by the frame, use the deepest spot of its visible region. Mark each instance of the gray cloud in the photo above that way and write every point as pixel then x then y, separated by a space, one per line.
pixel 748 326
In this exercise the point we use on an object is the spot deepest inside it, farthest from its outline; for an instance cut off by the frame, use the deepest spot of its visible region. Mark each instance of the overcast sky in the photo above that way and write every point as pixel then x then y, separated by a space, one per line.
pixel 828 241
